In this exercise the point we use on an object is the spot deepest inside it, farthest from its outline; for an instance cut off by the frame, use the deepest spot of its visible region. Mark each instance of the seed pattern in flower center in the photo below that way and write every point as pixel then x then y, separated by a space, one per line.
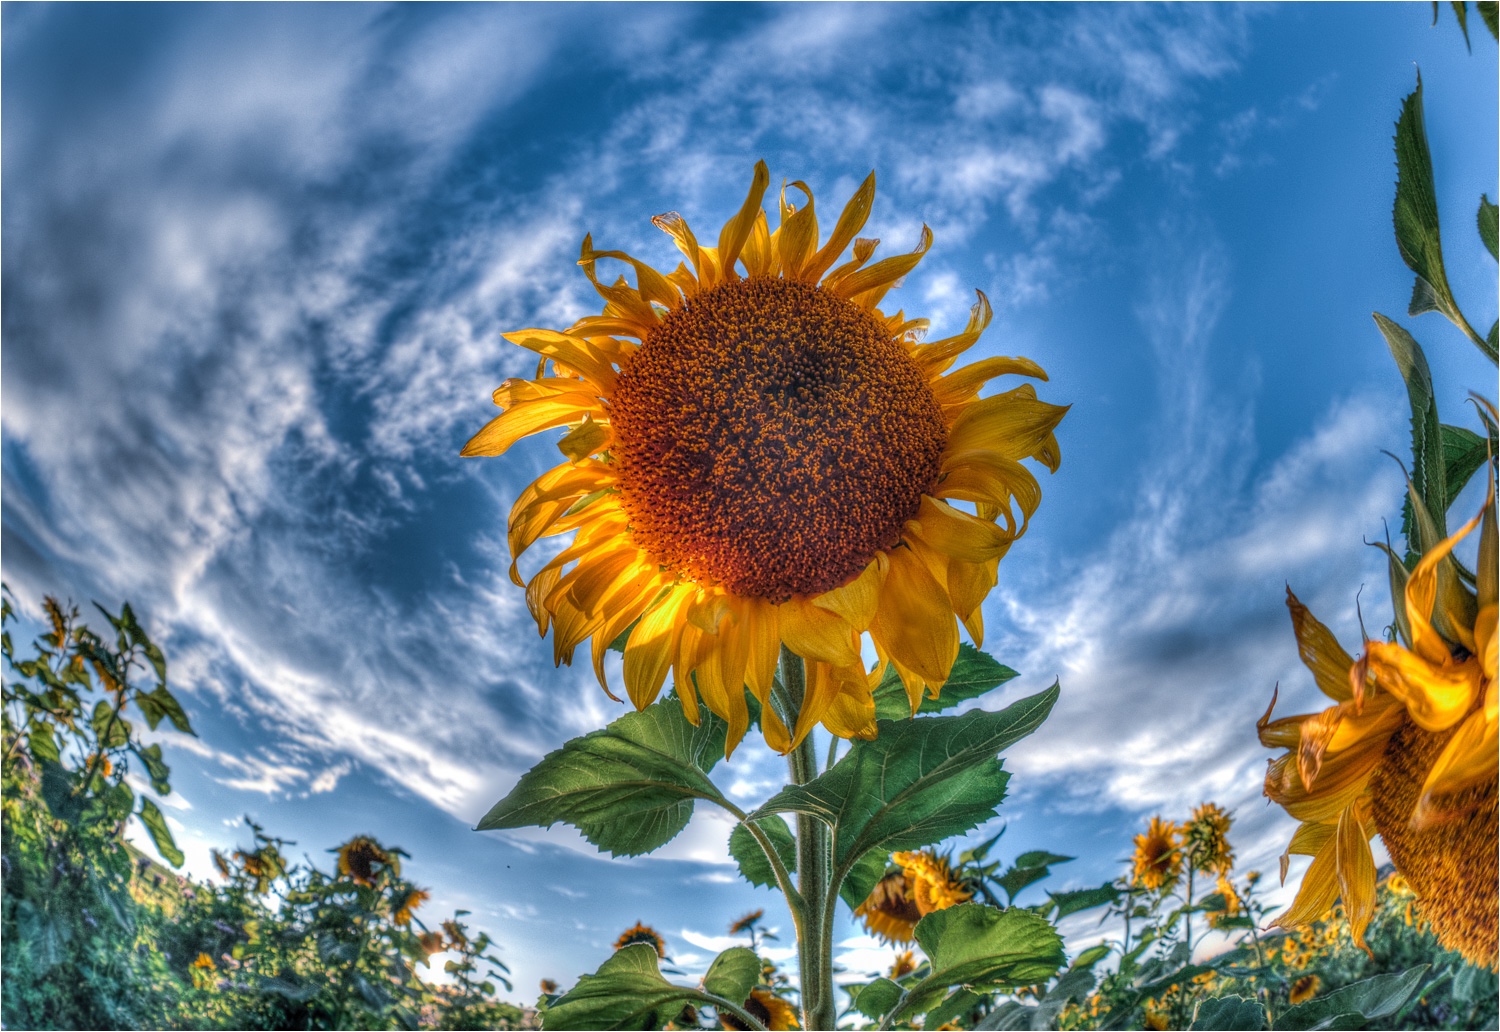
pixel 773 437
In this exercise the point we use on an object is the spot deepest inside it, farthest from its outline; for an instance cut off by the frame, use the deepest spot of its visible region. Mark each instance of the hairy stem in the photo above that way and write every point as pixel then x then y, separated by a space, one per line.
pixel 814 848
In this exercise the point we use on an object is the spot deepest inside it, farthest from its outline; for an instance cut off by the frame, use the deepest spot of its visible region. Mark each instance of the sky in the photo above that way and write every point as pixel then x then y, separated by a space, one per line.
pixel 256 265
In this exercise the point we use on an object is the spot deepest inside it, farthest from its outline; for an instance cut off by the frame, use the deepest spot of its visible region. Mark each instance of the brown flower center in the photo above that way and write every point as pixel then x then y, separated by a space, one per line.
pixel 1451 867
pixel 773 437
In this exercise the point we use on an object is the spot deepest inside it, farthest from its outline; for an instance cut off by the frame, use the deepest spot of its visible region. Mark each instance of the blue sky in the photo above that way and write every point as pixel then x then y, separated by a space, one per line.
pixel 257 261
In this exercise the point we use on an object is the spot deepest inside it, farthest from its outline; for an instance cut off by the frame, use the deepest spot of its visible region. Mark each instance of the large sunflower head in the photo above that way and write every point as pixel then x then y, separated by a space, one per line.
pixel 923 884
pixel 1157 862
pixel 641 932
pixel 1205 839
pixel 758 455
pixel 1408 751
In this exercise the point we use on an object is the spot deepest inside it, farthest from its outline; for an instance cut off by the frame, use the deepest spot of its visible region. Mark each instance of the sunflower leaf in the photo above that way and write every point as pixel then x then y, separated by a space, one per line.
pixel 1416 213
pixel 1427 470
pixel 875 1000
pixel 1229 1013
pixel 627 992
pixel 733 974
pixel 629 788
pixel 1083 899
pixel 1489 225
pixel 755 868
pixel 918 782
pixel 1464 452
pixel 862 876
pixel 974 673
pixel 156 824
pixel 1372 998
pixel 980 947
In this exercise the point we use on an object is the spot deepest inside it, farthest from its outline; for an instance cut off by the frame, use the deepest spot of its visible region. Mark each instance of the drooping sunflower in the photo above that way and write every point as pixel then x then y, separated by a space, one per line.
pixel 1157 862
pixel 409 903
pixel 641 932
pixel 758 455
pixel 746 923
pixel 1408 751
pixel 1205 839
pixel 359 859
pixel 767 1008
pixel 925 883
pixel 904 964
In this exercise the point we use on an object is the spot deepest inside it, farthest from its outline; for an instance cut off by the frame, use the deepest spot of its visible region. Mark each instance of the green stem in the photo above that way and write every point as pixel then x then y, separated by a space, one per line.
pixel 1187 914
pixel 814 849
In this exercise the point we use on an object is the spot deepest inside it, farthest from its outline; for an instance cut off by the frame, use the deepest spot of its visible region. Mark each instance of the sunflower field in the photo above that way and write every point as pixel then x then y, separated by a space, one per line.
pixel 784 509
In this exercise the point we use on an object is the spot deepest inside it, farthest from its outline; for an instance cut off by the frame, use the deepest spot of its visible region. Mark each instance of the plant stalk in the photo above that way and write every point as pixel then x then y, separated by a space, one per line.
pixel 814 849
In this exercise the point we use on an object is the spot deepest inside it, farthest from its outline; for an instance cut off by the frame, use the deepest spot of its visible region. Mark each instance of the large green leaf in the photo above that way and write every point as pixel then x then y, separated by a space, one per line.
pixel 627 992
pixel 747 852
pixel 919 782
pixel 862 876
pixel 629 788
pixel 158 703
pixel 1375 997
pixel 980 947
pixel 156 824
pixel 1416 212
pixel 156 768
pixel 1230 1014
pixel 877 999
pixel 974 673
pixel 1428 474
pixel 733 974
pixel 1083 899
pixel 1464 452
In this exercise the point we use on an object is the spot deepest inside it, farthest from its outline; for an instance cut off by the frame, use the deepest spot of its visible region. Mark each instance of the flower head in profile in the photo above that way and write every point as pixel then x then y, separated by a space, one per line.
pixel 923 884
pixel 409 902
pixel 1408 751
pixel 766 1007
pixel 759 455
pixel 1205 839
pixel 361 858
pixel 904 964
pixel 746 923
pixel 1157 862
pixel 642 933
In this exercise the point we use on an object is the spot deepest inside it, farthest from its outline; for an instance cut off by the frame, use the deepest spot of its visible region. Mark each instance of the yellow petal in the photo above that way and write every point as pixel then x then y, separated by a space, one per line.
pixel 1014 424
pixel 817 634
pixel 732 237
pixel 968 584
pixel 528 418
pixel 585 439
pixel 852 712
pixel 957 534
pixel 574 352
pixel 649 652
pixel 1320 887
pixel 964 384
pixel 1468 759
pixel 1437 697
pixel 675 226
pixel 914 623
pixel 651 286
pixel 850 222
pixel 758 250
pixel 1356 872
pixel 865 286
pixel 940 354
pixel 856 601
pixel 798 234
pixel 1320 651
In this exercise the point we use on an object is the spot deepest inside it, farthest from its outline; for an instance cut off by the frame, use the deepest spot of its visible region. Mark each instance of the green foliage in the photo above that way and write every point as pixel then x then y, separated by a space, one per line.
pixel 629 788
pixel 755 867
pixel 98 935
pixel 974 673
pixel 918 782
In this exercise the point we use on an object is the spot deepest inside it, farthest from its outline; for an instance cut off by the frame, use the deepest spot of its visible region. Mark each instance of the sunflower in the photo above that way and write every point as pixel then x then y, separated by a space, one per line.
pixel 925 883
pixel 549 987
pixel 767 1008
pixel 432 942
pixel 904 964
pixel 642 933
pixel 1205 839
pixel 1158 860
pixel 1304 989
pixel 410 902
pixel 1232 902
pixel 746 923
pixel 1408 751
pixel 358 859
pixel 766 460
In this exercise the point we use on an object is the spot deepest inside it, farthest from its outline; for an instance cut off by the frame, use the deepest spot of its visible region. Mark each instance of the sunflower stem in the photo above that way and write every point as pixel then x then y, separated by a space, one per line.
pixel 814 849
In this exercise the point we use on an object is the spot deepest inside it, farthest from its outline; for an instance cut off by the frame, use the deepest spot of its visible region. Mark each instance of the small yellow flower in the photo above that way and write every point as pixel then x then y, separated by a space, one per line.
pixel 1304 989
pixel 1155 1020
pixel 642 933
pixel 1205 839
pixel 204 962
pixel 549 987
pixel 767 460
pixel 1158 860
pixel 747 922
pixel 410 902
pixel 904 964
